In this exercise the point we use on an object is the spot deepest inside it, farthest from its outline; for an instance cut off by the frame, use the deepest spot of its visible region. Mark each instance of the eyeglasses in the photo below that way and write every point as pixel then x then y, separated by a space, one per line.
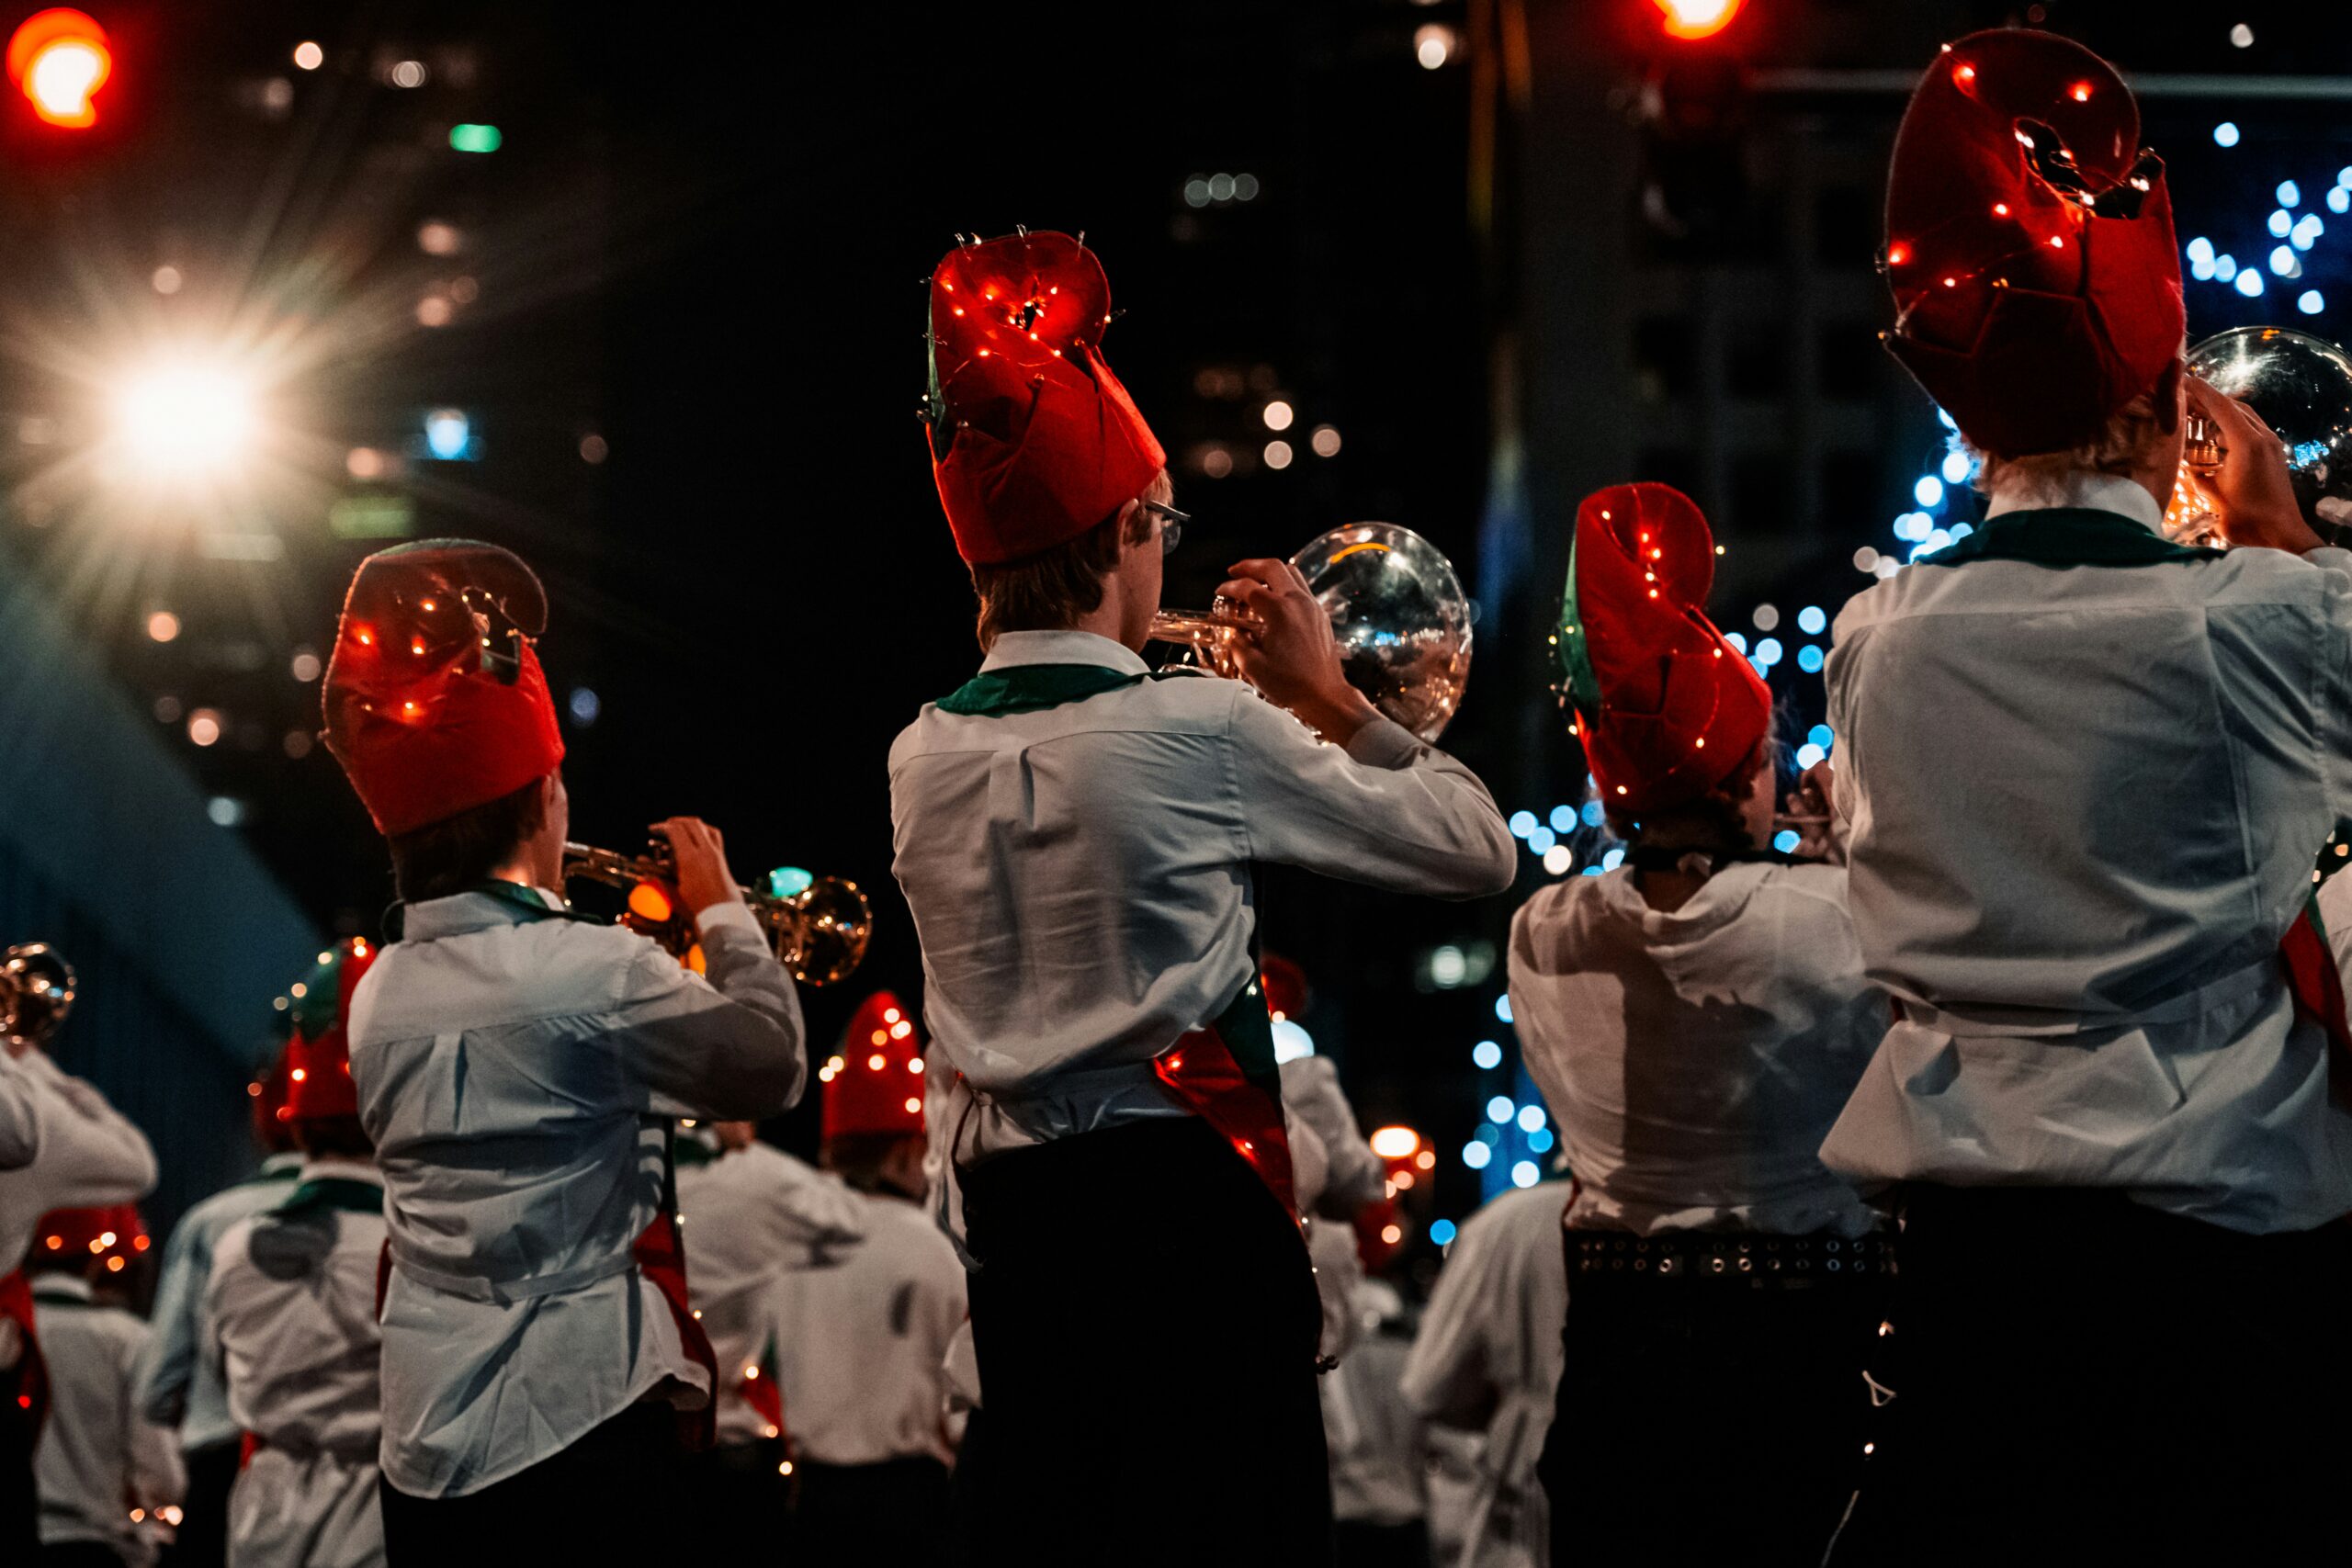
pixel 1171 525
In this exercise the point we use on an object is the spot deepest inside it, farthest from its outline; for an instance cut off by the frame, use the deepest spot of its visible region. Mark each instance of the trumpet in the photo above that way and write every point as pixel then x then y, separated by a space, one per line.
pixel 2301 386
pixel 818 925
pixel 36 993
pixel 1402 622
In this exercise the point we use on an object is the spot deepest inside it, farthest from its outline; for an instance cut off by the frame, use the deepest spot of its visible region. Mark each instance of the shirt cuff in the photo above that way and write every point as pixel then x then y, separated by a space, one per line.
pixel 1384 743
pixel 732 914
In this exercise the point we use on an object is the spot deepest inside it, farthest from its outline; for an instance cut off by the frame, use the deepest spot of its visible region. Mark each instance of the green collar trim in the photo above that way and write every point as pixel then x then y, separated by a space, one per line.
pixel 1026 688
pixel 2063 536
pixel 1576 659
pixel 342 1193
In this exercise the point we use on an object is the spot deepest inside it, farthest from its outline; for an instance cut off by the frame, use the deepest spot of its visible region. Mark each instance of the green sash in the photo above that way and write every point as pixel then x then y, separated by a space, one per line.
pixel 1026 688
pixel 2065 536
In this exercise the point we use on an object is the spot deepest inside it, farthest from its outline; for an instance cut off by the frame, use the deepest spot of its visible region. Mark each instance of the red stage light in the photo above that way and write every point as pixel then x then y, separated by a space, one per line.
pixel 1698 19
pixel 59 60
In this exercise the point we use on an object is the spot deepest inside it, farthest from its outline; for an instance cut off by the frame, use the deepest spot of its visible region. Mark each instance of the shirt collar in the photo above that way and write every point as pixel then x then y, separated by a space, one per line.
pixel 2080 489
pixel 462 912
pixel 72 1286
pixel 285 1164
pixel 1014 648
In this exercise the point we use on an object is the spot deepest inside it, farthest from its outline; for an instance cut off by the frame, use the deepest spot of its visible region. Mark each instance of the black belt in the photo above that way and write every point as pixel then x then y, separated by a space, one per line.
pixel 1731 1257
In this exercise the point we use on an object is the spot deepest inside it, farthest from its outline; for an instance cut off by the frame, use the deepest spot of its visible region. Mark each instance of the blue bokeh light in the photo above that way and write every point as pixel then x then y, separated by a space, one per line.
pixel 1812 619
pixel 2226 134
pixel 1442 1231
pixel 1487 1053
pixel 1809 658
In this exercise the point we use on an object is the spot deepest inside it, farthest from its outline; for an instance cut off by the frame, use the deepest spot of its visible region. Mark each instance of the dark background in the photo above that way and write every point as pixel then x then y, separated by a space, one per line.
pixel 1572 252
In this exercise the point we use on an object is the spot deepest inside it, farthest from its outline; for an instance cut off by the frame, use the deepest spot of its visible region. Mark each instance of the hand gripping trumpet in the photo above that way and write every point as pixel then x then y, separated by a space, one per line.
pixel 1402 622
pixel 819 924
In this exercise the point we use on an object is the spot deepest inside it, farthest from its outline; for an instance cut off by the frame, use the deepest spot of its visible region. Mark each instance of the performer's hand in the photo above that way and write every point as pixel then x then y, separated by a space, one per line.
pixel 2250 492
pixel 1290 655
pixel 1821 832
pixel 698 855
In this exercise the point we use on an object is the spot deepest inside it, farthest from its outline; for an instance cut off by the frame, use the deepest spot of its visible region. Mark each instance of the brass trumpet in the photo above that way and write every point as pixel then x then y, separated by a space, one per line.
pixel 36 993
pixel 1402 622
pixel 820 925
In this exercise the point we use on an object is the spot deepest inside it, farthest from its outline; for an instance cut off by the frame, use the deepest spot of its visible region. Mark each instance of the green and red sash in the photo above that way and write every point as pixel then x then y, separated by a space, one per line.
pixel 2060 537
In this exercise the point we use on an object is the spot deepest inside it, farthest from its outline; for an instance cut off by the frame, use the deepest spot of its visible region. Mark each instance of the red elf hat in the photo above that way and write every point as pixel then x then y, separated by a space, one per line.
pixel 2030 244
pixel 874 1084
pixel 317 1058
pixel 1666 707
pixel 114 1233
pixel 1033 440
pixel 434 700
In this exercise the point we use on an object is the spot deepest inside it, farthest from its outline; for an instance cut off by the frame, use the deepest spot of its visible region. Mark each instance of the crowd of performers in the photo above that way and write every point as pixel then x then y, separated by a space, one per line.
pixel 1965 1187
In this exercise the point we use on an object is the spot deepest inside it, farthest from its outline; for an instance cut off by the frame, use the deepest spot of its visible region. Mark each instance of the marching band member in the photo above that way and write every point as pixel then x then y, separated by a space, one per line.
pixel 1074 839
pixel 84 1154
pixel 287 1319
pixel 1486 1360
pixel 106 1473
pixel 1379 1496
pixel 860 1349
pixel 178 1383
pixel 517 1068
pixel 1695 1018
pixel 2087 772
pixel 750 1213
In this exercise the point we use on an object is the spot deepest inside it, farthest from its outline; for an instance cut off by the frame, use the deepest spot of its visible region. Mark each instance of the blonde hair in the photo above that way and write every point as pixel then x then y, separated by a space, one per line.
pixel 2114 450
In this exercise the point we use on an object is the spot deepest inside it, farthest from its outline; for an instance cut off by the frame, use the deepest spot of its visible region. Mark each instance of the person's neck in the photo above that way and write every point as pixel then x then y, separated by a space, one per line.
pixel 1108 620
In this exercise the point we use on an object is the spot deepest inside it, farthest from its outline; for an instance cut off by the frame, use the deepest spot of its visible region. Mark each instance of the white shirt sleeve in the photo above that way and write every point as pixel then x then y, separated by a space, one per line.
pixel 728 1046
pixel 2336 675
pixel 1387 811
pixel 91 1155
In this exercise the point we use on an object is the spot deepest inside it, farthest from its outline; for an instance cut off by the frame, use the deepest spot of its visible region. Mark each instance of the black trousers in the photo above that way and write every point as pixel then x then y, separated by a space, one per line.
pixel 1145 1322
pixel 2081 1379
pixel 610 1498
pixel 201 1541
pixel 19 1500
pixel 1707 1419
pixel 737 1503
pixel 850 1515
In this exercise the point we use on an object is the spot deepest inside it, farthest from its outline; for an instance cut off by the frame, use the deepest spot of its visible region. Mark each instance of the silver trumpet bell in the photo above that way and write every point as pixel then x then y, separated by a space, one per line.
pixel 2301 386
pixel 1402 622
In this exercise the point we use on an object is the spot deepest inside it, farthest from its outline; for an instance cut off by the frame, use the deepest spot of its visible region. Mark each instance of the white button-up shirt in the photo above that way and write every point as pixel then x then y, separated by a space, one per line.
pixel 748 1217
pixel 97 1461
pixel 289 1321
pixel 1692 1058
pixel 1079 874
pixel 1487 1356
pixel 862 1347
pixel 19 1126
pixel 2085 805
pixel 178 1380
pixel 89 1155
pixel 515 1074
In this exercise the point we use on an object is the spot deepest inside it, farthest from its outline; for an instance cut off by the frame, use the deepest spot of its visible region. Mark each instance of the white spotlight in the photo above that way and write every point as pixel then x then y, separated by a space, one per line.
pixel 180 420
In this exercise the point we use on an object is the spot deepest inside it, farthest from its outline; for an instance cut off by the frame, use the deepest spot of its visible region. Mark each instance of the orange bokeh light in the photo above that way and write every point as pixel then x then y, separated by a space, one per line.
pixel 59 60
pixel 1698 19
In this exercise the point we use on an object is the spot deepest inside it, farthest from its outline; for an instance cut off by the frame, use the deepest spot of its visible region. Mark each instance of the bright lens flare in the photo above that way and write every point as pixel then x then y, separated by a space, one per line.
pixel 1395 1143
pixel 1698 19
pixel 177 420
pixel 59 57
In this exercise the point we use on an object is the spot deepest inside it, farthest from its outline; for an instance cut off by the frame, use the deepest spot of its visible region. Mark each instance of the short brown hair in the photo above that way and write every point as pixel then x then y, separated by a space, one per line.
pixel 451 855
pixel 1715 820
pixel 1051 589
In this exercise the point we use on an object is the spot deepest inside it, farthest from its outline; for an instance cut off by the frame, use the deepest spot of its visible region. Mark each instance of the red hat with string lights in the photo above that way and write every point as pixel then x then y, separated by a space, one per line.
pixel 1033 440
pixel 1666 707
pixel 1286 985
pixel 317 1058
pixel 434 700
pixel 2030 244
pixel 874 1083
pixel 267 1091
pixel 78 1237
